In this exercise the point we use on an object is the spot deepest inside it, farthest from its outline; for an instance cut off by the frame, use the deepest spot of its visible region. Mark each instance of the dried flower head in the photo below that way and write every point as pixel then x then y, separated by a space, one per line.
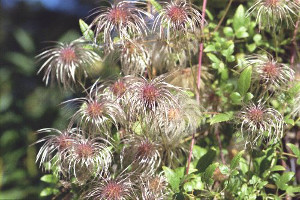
pixel 295 108
pixel 154 187
pixel 148 97
pixel 123 18
pixel 109 188
pixel 271 13
pixel 141 153
pixel 134 58
pixel 67 63
pixel 56 145
pixel 182 119
pixel 115 89
pixel 257 122
pixel 177 17
pixel 269 73
pixel 89 156
pixel 98 111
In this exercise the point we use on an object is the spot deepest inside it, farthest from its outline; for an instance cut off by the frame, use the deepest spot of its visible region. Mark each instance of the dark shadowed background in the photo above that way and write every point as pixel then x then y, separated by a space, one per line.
pixel 26 105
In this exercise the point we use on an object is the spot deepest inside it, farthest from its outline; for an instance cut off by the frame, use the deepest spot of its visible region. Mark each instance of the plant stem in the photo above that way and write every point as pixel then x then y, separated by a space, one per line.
pixel 198 85
pixel 220 145
pixel 200 52
pixel 190 154
pixel 223 17
pixel 294 47
pixel 276 42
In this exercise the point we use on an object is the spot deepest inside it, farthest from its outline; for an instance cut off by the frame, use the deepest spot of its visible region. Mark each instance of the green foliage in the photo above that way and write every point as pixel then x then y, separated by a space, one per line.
pixel 87 33
pixel 244 81
pixel 222 166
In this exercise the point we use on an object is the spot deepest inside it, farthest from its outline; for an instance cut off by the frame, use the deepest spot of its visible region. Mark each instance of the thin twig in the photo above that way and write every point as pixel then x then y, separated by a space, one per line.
pixel 190 154
pixel 294 42
pixel 200 53
pixel 198 85
pixel 223 17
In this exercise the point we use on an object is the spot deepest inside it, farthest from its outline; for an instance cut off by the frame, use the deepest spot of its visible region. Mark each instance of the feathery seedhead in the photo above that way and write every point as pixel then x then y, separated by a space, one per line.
pixel 122 17
pixel 177 18
pixel 67 62
pixel 134 58
pixel 98 111
pixel 260 122
pixel 90 155
pixel 271 13
pixel 55 145
pixel 148 97
pixel 295 108
pixel 142 153
pixel 154 187
pixel 118 88
pixel 179 121
pixel 270 73
pixel 119 188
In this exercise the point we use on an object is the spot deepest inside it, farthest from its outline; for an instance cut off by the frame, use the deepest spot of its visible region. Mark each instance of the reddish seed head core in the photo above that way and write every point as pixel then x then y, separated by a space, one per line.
pixel 271 70
pixel 84 150
pixel 177 14
pixel 117 16
pixel 272 2
pixel 64 142
pixel 94 109
pixel 256 115
pixel 144 150
pixel 67 55
pixel 150 94
pixel 118 88
pixel 113 190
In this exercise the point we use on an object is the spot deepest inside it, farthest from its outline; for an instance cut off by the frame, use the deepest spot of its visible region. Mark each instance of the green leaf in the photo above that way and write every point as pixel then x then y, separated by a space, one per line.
pixel 242 33
pixel 206 160
pixel 49 178
pixel 224 169
pixel 294 149
pixel 87 33
pixel 239 18
pixel 222 117
pixel 228 31
pixel 284 179
pixel 257 39
pixel 209 15
pixel 290 121
pixel 295 89
pixel 24 40
pixel 228 52
pixel 24 64
pixel 277 168
pixel 156 5
pixel 172 178
pixel 248 96
pixel 209 48
pixel 46 192
pixel 236 159
pixel 236 97
pixel 213 58
pixel 292 189
pixel 198 151
pixel 208 174
pixel 251 47
pixel 245 81
pixel 194 184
